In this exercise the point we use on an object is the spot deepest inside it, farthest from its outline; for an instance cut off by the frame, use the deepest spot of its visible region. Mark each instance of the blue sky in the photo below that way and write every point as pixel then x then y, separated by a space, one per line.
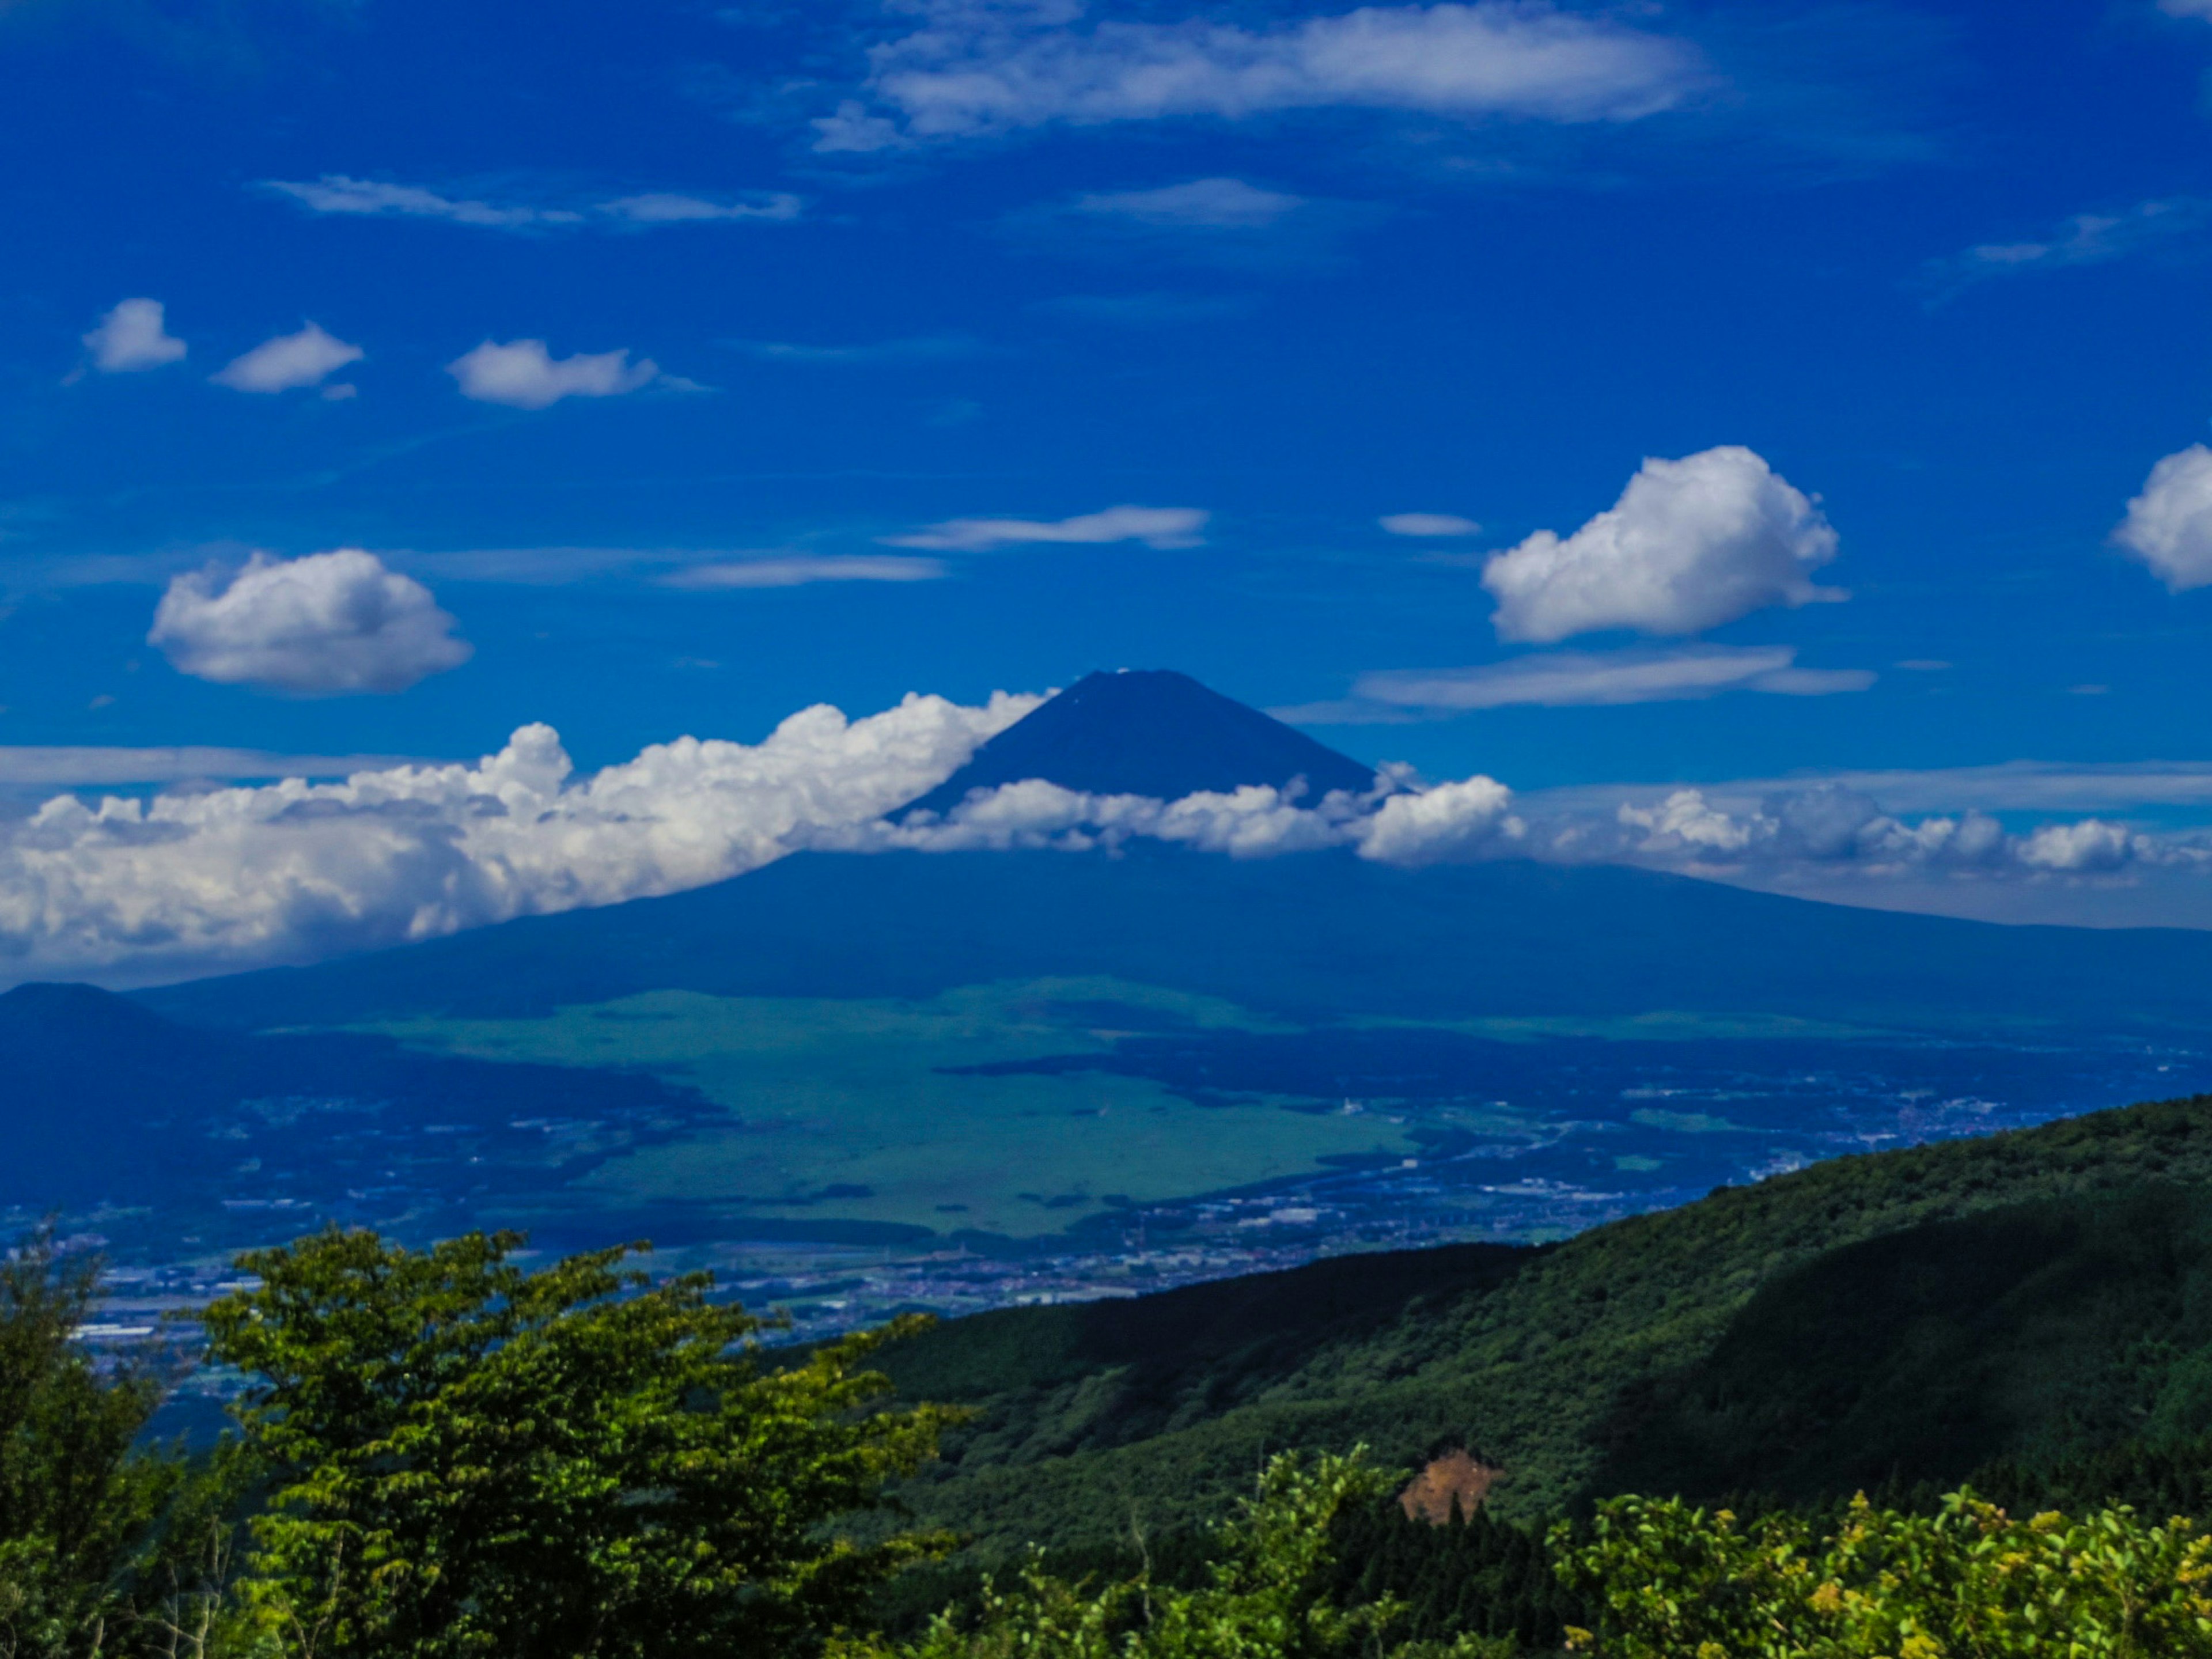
pixel 874 270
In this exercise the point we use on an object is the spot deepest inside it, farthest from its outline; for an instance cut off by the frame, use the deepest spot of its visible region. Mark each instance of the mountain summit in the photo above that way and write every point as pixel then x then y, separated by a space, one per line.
pixel 1148 731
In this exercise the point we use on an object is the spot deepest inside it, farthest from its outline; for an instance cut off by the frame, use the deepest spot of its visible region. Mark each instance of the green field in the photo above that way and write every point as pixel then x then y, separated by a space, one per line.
pixel 843 1110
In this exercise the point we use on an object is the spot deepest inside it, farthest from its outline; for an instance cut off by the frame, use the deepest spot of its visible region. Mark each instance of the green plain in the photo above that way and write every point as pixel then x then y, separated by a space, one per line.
pixel 845 1109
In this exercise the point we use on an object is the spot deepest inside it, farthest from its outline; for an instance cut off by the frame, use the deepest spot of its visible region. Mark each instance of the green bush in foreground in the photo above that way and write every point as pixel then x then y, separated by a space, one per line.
pixel 1267 1596
pixel 447 1456
pixel 466 1458
pixel 1967 1582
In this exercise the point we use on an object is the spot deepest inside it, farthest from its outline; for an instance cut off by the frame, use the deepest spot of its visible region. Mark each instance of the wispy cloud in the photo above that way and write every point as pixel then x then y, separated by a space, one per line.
pixel 339 194
pixel 2120 789
pixel 1155 526
pixel 1560 679
pixel 288 361
pixel 974 69
pixel 2086 239
pixel 797 570
pixel 927 348
pixel 1213 220
pixel 1217 203
pixel 66 766
pixel 1144 310
pixel 1429 524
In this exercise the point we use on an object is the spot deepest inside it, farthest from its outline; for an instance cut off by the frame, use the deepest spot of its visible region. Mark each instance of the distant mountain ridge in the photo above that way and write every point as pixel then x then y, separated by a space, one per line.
pixel 1316 936
pixel 1923 1314
pixel 103 1099
pixel 1148 731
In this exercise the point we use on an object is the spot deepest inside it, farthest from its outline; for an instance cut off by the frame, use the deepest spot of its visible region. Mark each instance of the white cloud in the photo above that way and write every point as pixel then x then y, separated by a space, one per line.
pixel 1144 310
pixel 1155 526
pixel 2092 844
pixel 60 765
pixel 1451 821
pixel 1690 544
pixel 133 337
pixel 799 569
pixel 329 622
pixel 2169 525
pixel 1201 204
pixel 975 67
pixel 1828 829
pixel 923 348
pixel 668 208
pixel 524 374
pixel 2084 239
pixel 2186 8
pixel 288 361
pixel 1429 524
pixel 1567 678
pixel 336 193
pixel 1392 825
pixel 132 890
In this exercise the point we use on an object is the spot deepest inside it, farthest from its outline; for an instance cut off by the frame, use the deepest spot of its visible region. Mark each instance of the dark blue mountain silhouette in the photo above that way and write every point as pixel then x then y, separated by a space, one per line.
pixel 1315 936
pixel 101 1098
pixel 1149 732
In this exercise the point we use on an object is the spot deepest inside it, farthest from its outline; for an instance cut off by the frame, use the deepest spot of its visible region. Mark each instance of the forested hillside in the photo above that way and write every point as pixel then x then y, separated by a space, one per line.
pixel 1906 1315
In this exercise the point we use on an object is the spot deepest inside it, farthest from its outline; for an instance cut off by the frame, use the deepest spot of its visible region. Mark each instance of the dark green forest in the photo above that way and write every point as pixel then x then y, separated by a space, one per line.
pixel 1958 1395
pixel 2023 1304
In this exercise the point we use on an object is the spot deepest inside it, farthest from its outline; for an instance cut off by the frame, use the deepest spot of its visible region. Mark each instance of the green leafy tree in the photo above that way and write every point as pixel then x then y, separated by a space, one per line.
pixel 465 1457
pixel 1268 1596
pixel 80 1504
pixel 1969 1582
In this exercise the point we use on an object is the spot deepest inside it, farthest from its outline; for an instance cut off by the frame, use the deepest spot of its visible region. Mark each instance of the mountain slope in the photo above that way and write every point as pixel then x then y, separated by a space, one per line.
pixel 1574 1373
pixel 103 1100
pixel 1150 733
pixel 1314 936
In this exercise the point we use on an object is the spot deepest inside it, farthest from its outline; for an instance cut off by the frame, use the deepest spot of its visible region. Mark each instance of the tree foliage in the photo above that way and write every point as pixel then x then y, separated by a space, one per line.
pixel 1970 1582
pixel 465 1457
pixel 1268 1594
pixel 81 1505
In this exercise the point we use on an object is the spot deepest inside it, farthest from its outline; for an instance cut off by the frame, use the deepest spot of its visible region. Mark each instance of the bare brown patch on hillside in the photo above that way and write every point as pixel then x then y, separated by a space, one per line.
pixel 1457 1476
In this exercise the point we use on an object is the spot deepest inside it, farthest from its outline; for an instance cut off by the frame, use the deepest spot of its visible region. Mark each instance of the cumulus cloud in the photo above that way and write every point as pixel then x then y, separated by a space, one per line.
pixel 131 338
pixel 1155 526
pixel 799 569
pixel 2169 525
pixel 1200 204
pixel 1690 544
pixel 2092 844
pixel 1831 829
pixel 324 624
pixel 1394 824
pixel 1429 524
pixel 288 361
pixel 973 68
pixel 336 193
pixel 523 374
pixel 135 889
